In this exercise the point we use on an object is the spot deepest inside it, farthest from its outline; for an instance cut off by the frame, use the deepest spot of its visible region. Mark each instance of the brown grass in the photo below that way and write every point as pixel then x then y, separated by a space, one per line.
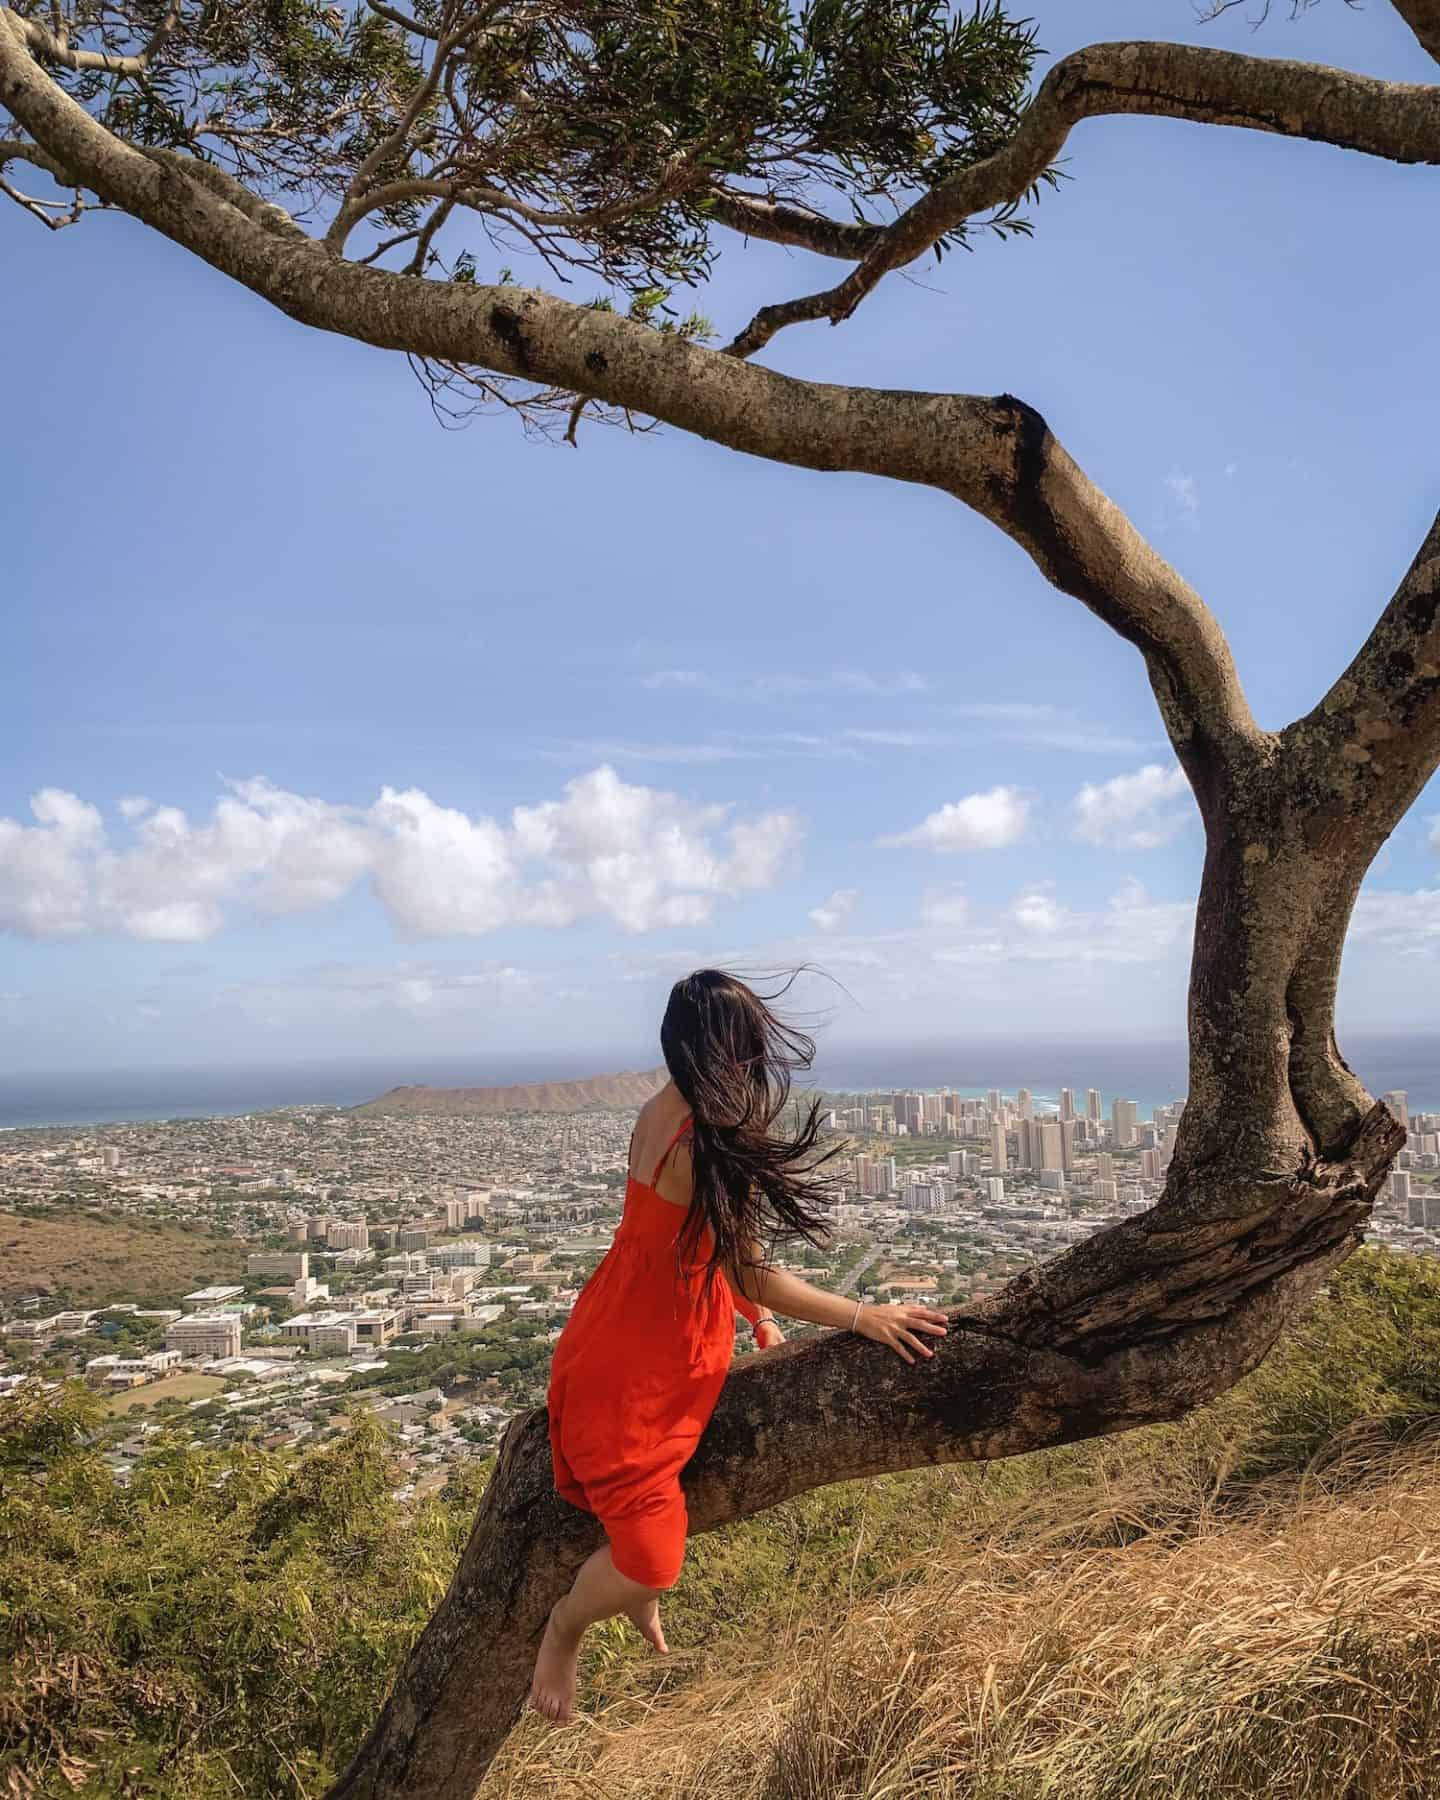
pixel 1072 1649
pixel 92 1260
pixel 173 1387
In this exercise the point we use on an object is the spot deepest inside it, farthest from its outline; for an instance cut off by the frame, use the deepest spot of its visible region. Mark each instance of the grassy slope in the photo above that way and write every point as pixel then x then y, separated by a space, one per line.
pixel 92 1259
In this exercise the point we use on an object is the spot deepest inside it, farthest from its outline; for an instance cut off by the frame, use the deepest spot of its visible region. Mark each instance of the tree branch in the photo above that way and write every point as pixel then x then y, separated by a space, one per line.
pixel 1423 18
pixel 796 226
pixel 56 49
pixel 21 150
pixel 1379 726
pixel 1390 119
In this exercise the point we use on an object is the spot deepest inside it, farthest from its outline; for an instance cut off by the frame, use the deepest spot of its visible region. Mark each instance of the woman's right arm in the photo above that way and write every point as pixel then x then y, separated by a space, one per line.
pixel 899 1327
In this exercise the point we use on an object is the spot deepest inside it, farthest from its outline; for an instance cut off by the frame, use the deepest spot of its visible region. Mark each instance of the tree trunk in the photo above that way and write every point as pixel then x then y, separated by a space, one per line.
pixel 1277 1164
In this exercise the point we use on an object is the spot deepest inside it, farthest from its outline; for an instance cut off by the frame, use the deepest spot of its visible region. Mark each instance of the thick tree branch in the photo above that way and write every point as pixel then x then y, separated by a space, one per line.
pixel 1423 18
pixel 1378 729
pixel 1390 119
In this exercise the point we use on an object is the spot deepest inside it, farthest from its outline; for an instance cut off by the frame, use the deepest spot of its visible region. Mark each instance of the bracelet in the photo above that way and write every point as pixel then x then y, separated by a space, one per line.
pixel 769 1319
pixel 856 1320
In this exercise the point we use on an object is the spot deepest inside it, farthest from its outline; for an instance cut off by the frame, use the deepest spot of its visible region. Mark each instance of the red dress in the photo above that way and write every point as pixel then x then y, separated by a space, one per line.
pixel 635 1377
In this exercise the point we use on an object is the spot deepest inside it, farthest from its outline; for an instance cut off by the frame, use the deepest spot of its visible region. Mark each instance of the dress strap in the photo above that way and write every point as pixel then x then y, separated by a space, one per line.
pixel 685 1125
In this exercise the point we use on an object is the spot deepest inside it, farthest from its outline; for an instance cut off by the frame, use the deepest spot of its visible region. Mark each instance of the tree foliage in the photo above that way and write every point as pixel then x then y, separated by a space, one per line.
pixel 599 133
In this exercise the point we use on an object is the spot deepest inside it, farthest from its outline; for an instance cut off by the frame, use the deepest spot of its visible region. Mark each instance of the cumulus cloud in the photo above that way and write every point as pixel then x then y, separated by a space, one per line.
pixel 1134 812
pixel 1036 910
pixel 1132 928
pixel 640 856
pixel 831 914
pixel 987 821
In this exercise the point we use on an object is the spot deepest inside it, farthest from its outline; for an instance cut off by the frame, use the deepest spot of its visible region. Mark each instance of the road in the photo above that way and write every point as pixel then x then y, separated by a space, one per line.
pixel 847 1286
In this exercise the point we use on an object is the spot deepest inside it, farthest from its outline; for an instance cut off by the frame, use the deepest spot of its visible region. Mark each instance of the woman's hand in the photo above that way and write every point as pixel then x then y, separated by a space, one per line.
pixel 900 1326
pixel 768 1334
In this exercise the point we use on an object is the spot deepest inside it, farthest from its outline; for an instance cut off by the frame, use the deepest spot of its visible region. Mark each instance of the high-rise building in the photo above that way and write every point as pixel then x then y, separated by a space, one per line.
pixel 455 1215
pixel 278 1262
pixel 1045 1145
pixel 1398 1102
pixel 1150 1165
pixel 1104 1167
pixel 955 1163
pixel 1067 1105
pixel 1124 1115
pixel 1025 1104
pixel 1092 1105
pixel 1400 1186
pixel 112 1158
pixel 992 1101
pixel 994 1190
pixel 348 1234
pixel 999 1151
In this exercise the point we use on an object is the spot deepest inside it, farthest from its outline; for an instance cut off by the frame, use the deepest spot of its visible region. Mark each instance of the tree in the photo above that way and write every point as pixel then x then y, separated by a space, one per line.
pixel 332 163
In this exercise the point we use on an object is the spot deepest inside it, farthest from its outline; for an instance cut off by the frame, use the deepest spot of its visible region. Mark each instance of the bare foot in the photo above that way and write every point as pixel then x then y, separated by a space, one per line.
pixel 646 1620
pixel 552 1691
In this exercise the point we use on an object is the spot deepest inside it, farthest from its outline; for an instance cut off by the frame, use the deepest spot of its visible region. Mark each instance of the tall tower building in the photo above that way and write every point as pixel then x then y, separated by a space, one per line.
pixel 1025 1104
pixel 1092 1104
pixel 1124 1115
pixel 992 1102
pixel 1067 1105
pixel 999 1151
pixel 1398 1102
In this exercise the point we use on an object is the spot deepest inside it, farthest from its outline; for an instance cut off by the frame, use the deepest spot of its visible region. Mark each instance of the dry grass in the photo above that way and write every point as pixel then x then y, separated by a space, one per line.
pixel 1072 1647
pixel 173 1387
pixel 91 1258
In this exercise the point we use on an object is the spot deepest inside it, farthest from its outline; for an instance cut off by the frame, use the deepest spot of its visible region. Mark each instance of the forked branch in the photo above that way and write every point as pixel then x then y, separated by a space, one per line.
pixel 1390 119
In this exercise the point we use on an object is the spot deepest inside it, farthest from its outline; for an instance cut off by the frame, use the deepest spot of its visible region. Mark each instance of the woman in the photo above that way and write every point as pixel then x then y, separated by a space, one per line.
pixel 640 1365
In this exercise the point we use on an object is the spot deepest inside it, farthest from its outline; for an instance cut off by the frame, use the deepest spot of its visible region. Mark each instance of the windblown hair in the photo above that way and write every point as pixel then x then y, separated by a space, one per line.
pixel 732 1059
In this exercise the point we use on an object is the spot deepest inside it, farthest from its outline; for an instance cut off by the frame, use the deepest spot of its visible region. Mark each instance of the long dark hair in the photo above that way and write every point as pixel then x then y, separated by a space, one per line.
pixel 732 1059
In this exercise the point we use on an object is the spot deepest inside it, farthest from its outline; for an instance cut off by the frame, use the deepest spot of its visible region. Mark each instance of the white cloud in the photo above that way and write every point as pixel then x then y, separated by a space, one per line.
pixel 1036 910
pixel 1407 923
pixel 1185 493
pixel 640 856
pixel 944 906
pixel 1134 812
pixel 831 914
pixel 987 821
pixel 790 684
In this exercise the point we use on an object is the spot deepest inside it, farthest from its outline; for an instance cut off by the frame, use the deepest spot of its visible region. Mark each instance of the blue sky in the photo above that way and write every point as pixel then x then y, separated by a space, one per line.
pixel 332 648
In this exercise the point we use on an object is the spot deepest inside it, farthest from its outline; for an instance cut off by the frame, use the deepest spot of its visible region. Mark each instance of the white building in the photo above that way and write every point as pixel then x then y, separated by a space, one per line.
pixel 213 1296
pixel 293 1263
pixel 201 1336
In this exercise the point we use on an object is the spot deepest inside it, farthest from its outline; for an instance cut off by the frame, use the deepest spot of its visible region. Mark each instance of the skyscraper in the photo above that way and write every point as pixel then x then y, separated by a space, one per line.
pixel 999 1151
pixel 1025 1104
pixel 1092 1104
pixel 1123 1117
pixel 1398 1102
pixel 1067 1104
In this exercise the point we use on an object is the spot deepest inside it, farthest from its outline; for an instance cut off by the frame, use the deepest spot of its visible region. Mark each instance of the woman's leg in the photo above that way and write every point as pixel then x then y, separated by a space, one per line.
pixel 600 1592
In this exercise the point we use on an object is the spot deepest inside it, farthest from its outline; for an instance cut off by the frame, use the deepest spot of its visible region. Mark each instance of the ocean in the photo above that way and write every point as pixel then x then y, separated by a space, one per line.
pixel 1152 1074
